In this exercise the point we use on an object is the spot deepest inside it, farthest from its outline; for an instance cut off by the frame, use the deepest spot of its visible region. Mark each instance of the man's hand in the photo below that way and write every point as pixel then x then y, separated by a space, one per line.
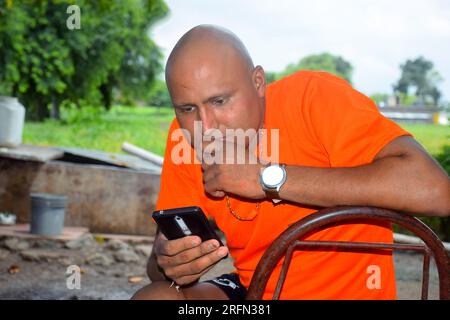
pixel 237 179
pixel 186 259
pixel 235 176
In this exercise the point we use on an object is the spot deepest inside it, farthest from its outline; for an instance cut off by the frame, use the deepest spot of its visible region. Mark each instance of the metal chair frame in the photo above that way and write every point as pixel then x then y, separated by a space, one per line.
pixel 288 242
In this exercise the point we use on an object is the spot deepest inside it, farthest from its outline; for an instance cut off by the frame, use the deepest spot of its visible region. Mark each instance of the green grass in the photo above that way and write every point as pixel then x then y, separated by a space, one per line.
pixel 432 137
pixel 143 127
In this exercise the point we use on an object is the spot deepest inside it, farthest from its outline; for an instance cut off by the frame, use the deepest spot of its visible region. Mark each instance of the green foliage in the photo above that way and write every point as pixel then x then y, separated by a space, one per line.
pixel 379 98
pixel 432 137
pixel 444 157
pixel 74 114
pixel 43 62
pixel 35 61
pixel 322 62
pixel 159 95
pixel 407 99
pixel 270 76
pixel 418 75
pixel 142 126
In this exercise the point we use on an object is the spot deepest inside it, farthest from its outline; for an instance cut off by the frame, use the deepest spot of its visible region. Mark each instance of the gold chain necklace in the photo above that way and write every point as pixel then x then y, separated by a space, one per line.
pixel 237 216
pixel 258 205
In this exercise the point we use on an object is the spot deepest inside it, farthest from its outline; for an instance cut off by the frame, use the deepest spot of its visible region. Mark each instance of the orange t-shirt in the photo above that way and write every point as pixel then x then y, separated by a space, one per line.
pixel 322 122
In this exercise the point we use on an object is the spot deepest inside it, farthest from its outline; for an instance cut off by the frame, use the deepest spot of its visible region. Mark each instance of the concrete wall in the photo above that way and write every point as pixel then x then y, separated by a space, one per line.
pixel 105 199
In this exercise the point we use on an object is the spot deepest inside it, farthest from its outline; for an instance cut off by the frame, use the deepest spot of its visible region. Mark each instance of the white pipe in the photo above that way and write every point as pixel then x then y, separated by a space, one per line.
pixel 403 238
pixel 141 153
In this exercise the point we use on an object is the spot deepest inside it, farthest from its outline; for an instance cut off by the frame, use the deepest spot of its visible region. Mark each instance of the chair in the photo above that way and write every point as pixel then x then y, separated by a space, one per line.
pixel 290 240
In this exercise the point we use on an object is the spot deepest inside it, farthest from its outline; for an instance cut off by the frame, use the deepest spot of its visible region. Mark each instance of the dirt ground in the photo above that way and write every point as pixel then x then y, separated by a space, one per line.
pixel 39 271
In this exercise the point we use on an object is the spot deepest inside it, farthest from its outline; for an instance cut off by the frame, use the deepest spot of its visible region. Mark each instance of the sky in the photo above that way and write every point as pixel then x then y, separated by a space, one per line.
pixel 375 36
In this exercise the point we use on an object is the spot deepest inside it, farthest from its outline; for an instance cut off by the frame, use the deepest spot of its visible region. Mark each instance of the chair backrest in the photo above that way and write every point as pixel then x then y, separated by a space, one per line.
pixel 290 240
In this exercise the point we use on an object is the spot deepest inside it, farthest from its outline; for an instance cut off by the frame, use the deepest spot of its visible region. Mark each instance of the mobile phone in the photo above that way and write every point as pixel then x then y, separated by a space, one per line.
pixel 186 221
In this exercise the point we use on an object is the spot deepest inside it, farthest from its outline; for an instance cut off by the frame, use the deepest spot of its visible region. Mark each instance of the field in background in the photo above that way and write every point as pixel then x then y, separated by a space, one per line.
pixel 144 127
pixel 432 137
pixel 147 128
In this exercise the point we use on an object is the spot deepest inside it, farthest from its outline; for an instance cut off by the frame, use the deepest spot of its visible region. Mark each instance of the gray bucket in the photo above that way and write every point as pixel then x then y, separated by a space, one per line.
pixel 47 213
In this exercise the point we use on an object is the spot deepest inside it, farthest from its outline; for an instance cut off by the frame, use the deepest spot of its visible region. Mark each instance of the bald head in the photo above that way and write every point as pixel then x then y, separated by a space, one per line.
pixel 205 43
pixel 211 79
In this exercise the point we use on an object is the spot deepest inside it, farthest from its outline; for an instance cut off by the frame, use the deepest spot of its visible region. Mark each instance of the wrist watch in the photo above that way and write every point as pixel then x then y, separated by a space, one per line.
pixel 272 178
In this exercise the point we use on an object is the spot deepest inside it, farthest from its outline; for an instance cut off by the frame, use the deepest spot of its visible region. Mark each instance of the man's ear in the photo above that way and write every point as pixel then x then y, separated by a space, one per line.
pixel 259 81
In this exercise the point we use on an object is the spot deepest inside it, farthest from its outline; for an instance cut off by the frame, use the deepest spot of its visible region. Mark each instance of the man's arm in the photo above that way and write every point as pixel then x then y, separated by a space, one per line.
pixel 154 272
pixel 401 177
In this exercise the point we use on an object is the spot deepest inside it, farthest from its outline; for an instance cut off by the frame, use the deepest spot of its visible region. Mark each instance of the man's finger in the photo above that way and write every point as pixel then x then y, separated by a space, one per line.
pixel 213 187
pixel 173 247
pixel 218 194
pixel 188 255
pixel 185 280
pixel 198 265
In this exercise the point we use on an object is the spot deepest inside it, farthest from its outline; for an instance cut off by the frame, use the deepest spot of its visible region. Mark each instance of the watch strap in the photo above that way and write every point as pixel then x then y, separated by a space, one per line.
pixel 272 193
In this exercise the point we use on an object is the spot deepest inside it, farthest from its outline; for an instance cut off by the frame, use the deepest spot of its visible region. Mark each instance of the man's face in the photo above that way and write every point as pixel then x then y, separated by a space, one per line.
pixel 220 92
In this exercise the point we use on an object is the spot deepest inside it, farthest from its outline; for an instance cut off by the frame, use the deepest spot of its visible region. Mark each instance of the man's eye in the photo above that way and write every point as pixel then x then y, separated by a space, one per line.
pixel 187 109
pixel 219 101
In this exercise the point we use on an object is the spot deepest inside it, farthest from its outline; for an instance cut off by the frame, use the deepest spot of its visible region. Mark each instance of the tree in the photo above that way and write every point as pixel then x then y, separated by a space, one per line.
pixel 141 60
pixel 43 62
pixel 35 62
pixel 159 95
pixel 419 76
pixel 270 76
pixel 322 62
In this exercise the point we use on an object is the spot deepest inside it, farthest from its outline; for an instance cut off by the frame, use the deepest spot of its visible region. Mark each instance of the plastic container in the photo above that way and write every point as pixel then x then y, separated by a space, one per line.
pixel 47 213
pixel 12 118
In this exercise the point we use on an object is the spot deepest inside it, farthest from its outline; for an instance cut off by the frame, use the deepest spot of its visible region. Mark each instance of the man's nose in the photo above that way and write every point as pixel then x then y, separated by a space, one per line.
pixel 208 119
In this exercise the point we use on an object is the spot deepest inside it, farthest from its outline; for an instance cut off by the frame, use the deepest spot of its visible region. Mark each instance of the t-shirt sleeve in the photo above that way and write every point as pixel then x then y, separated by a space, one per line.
pixel 347 124
pixel 178 186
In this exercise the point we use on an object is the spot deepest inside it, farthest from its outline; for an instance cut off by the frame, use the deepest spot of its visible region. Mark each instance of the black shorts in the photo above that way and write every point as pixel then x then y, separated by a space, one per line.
pixel 231 285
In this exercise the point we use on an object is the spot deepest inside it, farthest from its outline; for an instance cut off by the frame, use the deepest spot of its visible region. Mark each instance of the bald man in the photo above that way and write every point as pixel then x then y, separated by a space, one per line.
pixel 335 148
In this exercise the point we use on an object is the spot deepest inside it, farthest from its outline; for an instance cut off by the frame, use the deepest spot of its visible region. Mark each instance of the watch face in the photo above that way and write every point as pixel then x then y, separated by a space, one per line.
pixel 272 176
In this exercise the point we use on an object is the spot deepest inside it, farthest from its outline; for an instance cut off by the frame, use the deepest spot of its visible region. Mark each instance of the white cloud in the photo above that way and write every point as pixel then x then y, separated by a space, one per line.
pixel 375 36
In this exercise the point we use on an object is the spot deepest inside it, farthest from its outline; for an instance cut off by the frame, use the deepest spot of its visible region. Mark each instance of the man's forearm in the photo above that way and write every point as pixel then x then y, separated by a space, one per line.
pixel 387 182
